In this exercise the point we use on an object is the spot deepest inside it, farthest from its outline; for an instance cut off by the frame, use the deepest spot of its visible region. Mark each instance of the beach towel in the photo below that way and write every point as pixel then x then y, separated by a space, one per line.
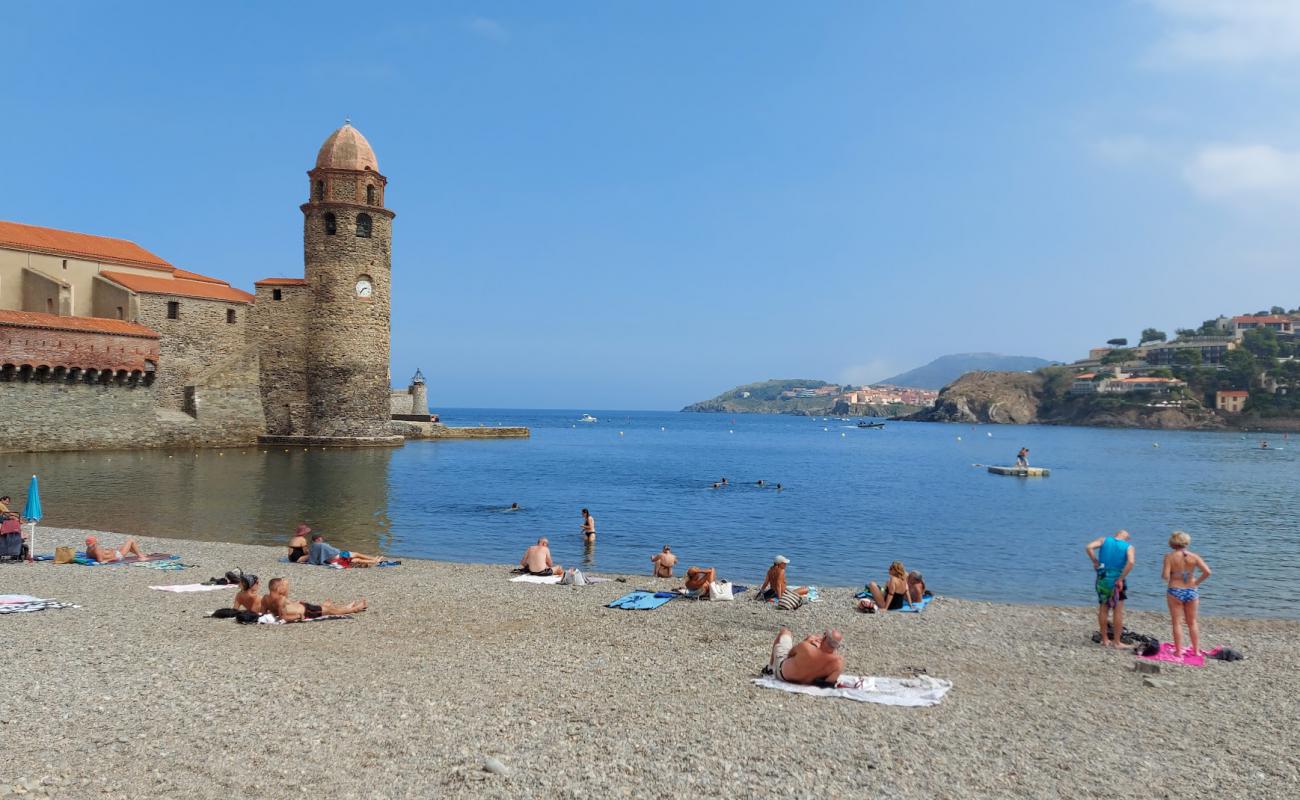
pixel 919 691
pixel 193 587
pixel 164 565
pixel 641 600
pixel 1166 656
pixel 271 619
pixel 917 608
pixel 82 559
pixel 535 579
pixel 24 603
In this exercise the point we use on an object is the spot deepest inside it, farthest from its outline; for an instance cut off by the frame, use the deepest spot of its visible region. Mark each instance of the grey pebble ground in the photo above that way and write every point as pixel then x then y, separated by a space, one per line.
pixel 458 683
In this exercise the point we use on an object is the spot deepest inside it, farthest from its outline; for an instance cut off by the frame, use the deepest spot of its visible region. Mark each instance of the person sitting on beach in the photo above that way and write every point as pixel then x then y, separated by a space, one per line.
pixel 664 563
pixel 5 513
pixel 698 581
pixel 774 583
pixel 276 601
pixel 298 544
pixel 97 552
pixel 1183 596
pixel 588 525
pixel 1112 557
pixel 248 598
pixel 322 553
pixel 916 586
pixel 537 560
pixel 894 594
pixel 816 661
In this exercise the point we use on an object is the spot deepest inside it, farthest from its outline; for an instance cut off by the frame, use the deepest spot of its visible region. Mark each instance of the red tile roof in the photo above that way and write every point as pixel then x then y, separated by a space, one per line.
pixel 206 289
pixel 54 322
pixel 194 276
pixel 1264 320
pixel 78 245
pixel 282 282
pixel 1233 393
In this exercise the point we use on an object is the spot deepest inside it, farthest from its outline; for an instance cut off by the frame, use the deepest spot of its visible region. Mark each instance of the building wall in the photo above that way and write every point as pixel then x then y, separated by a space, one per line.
pixel 78 273
pixel 280 332
pixel 75 349
pixel 111 301
pixel 198 344
pixel 401 402
pixel 44 294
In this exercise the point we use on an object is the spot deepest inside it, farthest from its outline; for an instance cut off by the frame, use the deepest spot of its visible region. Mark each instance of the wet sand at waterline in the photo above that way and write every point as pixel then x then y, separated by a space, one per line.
pixel 138 694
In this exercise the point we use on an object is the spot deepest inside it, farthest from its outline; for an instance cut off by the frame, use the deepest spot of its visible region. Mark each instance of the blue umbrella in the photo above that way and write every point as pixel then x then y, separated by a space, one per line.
pixel 32 513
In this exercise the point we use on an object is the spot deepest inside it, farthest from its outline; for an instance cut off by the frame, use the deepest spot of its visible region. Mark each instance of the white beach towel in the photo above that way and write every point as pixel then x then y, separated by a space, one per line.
pixel 919 691
pixel 193 587
pixel 18 598
pixel 535 579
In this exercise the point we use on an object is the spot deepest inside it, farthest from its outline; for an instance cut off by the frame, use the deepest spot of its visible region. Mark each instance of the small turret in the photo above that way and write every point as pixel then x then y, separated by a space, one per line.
pixel 419 395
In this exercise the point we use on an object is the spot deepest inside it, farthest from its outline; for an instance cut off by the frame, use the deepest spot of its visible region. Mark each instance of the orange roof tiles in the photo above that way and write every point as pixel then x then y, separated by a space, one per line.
pixel 206 289
pixel 1234 393
pixel 54 322
pixel 282 282
pixel 194 276
pixel 1264 320
pixel 79 245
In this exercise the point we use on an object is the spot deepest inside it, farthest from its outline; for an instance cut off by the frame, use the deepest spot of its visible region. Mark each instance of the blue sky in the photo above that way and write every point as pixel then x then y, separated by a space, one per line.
pixel 638 205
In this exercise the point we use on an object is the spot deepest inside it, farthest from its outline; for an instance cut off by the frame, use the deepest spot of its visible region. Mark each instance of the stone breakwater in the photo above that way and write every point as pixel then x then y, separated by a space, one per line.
pixel 138 694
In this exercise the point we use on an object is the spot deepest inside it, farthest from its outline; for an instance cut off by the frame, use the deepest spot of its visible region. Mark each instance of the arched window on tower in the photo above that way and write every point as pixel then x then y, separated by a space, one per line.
pixel 370 195
pixel 363 226
pixel 331 225
pixel 320 190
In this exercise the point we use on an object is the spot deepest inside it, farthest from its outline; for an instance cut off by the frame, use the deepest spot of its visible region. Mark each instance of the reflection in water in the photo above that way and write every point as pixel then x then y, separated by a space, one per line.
pixel 589 551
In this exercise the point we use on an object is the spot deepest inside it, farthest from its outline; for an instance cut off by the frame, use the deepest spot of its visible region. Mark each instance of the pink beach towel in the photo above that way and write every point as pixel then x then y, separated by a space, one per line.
pixel 1167 656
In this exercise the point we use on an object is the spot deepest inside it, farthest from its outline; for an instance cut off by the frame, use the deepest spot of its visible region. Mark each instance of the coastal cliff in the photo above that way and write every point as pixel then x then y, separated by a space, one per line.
pixel 1040 397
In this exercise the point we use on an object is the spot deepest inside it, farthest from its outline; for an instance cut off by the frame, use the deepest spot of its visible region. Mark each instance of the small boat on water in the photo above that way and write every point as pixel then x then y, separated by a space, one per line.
pixel 1021 472
pixel 588 418
pixel 872 425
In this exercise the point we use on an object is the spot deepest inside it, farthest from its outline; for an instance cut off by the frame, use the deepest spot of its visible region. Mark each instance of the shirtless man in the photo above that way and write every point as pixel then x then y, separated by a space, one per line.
pixel 99 553
pixel 698 580
pixel 248 598
pixel 664 563
pixel 815 661
pixel 276 601
pixel 588 525
pixel 537 560
pixel 774 584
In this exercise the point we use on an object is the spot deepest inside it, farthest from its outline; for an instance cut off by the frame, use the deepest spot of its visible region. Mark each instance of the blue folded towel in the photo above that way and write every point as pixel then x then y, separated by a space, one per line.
pixel 641 600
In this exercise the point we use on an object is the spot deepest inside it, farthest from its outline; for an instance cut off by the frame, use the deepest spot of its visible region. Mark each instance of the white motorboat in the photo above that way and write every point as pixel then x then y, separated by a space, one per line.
pixel 588 418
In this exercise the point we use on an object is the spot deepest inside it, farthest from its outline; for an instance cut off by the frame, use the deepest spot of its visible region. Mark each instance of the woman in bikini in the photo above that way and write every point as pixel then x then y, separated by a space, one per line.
pixel 1182 595
pixel 894 594
pixel 298 544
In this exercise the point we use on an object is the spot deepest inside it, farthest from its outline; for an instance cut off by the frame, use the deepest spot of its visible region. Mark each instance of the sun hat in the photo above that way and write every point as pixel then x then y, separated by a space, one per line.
pixel 781 560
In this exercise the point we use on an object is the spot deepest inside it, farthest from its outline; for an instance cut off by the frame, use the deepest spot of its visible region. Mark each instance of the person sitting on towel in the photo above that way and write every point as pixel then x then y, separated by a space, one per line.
pixel 774 584
pixel 276 601
pixel 298 544
pixel 916 586
pixel 816 661
pixel 248 598
pixel 895 592
pixel 537 560
pixel 100 553
pixel 322 553
pixel 664 563
pixel 698 581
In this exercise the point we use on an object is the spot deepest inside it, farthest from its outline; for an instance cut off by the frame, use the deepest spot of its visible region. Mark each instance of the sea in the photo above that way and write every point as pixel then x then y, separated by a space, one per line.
pixel 850 501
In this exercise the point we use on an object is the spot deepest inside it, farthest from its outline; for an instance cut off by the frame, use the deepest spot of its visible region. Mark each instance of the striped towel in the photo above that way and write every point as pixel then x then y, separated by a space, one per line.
pixel 790 600
pixel 35 604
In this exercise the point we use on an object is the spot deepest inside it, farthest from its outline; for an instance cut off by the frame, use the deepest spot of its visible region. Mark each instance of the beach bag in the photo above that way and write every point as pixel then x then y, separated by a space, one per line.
pixel 721 590
pixel 790 600
pixel 574 577
pixel 11 525
pixel 64 555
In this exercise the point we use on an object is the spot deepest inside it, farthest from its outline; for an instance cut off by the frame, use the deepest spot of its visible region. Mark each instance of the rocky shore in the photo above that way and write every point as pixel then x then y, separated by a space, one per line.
pixel 459 683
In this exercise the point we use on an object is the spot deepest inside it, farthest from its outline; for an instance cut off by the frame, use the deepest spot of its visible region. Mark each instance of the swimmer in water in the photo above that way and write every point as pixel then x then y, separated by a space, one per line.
pixel 759 482
pixel 717 486
pixel 1263 445
pixel 724 481
pixel 779 487
pixel 513 507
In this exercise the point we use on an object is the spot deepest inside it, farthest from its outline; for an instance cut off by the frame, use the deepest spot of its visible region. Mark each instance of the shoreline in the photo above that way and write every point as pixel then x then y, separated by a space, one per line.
pixel 136 690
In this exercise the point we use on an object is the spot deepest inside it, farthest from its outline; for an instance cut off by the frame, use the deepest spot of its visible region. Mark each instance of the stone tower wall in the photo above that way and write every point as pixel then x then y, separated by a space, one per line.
pixel 197 343
pixel 280 331
pixel 419 399
pixel 347 336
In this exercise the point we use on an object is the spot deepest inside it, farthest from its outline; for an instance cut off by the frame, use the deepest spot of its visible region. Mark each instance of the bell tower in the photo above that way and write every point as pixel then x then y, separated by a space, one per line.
pixel 347 240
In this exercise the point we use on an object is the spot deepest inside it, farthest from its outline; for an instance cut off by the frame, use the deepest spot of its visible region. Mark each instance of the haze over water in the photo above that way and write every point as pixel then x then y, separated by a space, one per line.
pixel 854 500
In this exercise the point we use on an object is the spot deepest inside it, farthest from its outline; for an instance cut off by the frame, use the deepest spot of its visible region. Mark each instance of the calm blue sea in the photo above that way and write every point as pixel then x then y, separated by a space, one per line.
pixel 853 501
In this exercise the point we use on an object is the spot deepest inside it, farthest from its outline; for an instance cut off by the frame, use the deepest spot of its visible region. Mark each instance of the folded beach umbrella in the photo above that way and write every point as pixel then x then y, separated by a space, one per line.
pixel 32 513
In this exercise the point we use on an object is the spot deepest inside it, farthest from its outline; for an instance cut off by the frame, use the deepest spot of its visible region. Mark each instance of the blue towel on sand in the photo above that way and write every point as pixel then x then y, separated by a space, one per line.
pixel 641 600
pixel 915 608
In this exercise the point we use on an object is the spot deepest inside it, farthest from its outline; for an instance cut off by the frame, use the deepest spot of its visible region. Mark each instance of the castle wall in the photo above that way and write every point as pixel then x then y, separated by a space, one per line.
pixel 280 332
pixel 401 402
pixel 75 349
pixel 110 301
pixel 197 344
pixel 44 294
pixel 77 272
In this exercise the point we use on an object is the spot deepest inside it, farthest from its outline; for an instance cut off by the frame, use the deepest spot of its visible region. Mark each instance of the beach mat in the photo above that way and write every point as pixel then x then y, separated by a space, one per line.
pixel 165 565
pixel 641 600
pixel 535 579
pixel 83 560
pixel 1167 656
pixel 916 692
pixel 917 608
pixel 25 604
pixel 278 621
pixel 180 588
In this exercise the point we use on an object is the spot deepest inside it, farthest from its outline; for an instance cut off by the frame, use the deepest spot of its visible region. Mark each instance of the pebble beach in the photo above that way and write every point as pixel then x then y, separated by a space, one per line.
pixel 459 683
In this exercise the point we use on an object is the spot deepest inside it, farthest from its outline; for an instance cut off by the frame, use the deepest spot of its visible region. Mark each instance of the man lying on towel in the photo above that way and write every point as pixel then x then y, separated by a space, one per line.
pixel 815 661
pixel 276 601
pixel 100 553
pixel 322 553
pixel 537 560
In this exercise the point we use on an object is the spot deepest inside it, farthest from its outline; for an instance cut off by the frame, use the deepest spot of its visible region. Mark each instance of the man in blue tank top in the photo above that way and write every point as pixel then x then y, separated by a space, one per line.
pixel 1112 557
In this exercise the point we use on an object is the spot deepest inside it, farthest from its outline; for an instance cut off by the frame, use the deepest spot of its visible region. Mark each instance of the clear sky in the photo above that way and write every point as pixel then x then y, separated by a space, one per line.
pixel 641 204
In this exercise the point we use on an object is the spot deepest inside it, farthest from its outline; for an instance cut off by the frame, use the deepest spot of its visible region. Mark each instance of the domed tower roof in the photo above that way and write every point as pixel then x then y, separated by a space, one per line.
pixel 346 148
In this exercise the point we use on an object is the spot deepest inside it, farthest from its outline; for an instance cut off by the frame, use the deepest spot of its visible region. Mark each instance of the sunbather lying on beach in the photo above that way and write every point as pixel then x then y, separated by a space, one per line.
pixel 895 592
pixel 100 553
pixel 698 580
pixel 664 563
pixel 815 661
pixel 276 601
pixel 322 552
pixel 537 560
pixel 248 598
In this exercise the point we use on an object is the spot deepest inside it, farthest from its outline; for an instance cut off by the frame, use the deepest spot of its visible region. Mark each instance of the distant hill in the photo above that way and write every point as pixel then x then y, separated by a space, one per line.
pixel 764 397
pixel 946 369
